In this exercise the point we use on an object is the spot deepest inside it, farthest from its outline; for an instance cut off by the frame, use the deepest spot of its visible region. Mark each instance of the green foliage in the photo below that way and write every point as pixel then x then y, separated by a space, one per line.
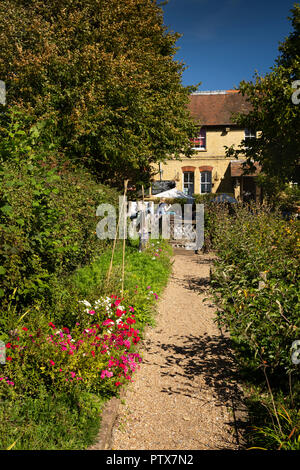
pixel 249 243
pixel 274 114
pixel 102 77
pixel 255 284
pixel 48 222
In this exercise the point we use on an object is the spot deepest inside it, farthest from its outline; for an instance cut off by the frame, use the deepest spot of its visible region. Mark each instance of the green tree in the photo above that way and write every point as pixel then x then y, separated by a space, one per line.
pixel 102 75
pixel 274 113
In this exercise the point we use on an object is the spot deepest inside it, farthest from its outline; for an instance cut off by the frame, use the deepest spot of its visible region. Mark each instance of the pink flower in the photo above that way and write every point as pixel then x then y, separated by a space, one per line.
pixel 106 373
pixel 92 312
pixel 52 362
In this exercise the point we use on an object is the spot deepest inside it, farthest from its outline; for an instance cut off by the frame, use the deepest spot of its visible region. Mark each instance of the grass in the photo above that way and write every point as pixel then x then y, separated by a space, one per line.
pixel 142 270
pixel 50 422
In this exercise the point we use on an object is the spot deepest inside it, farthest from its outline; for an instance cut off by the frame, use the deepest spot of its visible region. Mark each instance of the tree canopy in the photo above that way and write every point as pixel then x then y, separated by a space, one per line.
pixel 275 114
pixel 101 76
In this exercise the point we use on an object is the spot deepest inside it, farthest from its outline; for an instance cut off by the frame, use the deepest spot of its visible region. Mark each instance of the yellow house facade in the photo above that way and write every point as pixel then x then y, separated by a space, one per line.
pixel 209 170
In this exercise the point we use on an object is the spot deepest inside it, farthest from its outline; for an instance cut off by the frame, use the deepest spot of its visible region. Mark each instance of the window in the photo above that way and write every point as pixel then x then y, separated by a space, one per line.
pixel 205 182
pixel 188 183
pixel 200 140
pixel 249 134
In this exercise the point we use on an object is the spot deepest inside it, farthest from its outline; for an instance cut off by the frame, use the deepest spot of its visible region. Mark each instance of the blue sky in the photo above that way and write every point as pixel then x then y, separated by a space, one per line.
pixel 224 42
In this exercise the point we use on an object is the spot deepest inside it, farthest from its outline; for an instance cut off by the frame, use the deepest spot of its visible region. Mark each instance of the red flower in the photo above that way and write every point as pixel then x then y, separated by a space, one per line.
pixel 8 345
pixel 51 324
pixel 8 358
pixel 24 328
pixel 117 384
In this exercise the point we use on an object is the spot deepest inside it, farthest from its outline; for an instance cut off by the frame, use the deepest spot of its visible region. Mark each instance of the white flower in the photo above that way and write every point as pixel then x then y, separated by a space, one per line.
pixel 85 302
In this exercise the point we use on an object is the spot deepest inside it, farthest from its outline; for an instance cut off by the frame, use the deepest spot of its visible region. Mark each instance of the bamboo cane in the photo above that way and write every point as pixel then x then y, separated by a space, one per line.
pixel 115 240
pixel 124 239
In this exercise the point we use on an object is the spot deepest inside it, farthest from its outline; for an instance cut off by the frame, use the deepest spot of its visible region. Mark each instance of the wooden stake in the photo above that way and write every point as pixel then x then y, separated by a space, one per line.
pixel 115 240
pixel 124 239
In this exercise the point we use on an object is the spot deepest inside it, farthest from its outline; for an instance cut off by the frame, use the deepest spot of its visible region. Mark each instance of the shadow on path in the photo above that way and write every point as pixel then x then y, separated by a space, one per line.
pixel 203 362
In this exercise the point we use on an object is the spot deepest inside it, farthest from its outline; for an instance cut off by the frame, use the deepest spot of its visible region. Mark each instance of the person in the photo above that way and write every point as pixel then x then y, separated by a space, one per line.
pixel 162 209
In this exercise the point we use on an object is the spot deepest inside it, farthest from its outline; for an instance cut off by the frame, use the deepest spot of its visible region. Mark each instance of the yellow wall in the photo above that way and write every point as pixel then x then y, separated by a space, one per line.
pixel 213 156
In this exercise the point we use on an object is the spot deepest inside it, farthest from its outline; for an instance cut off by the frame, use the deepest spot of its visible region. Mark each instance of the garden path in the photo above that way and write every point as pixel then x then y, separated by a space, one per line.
pixel 186 395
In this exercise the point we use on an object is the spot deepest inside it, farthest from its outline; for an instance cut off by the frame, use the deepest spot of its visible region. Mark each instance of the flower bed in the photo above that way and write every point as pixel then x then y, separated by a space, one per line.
pixel 96 355
pixel 60 371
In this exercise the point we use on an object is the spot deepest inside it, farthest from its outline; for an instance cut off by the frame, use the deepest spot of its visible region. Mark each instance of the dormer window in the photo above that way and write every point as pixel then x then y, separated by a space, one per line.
pixel 199 142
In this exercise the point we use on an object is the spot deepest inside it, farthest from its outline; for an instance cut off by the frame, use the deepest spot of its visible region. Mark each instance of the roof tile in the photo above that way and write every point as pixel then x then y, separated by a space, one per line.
pixel 216 109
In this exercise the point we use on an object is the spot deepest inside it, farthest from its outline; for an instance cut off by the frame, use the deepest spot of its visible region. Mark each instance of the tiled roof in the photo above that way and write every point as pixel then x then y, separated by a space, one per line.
pixel 236 169
pixel 216 108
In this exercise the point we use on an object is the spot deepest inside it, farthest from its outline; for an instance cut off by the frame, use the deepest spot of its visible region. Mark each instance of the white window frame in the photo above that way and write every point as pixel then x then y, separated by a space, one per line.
pixel 188 182
pixel 249 134
pixel 203 129
pixel 206 182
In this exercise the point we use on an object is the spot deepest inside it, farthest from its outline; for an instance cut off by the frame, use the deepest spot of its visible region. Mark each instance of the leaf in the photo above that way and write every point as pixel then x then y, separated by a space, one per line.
pixel 7 209
pixel 13 444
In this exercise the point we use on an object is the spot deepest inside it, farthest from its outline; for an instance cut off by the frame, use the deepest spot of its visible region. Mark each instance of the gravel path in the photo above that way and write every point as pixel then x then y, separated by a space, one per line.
pixel 185 396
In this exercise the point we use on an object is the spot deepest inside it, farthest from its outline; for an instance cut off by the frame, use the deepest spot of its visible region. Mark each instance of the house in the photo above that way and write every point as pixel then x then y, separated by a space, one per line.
pixel 209 170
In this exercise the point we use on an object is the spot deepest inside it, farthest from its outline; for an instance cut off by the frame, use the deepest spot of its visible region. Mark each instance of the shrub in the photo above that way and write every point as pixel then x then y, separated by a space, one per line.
pixel 48 221
pixel 251 244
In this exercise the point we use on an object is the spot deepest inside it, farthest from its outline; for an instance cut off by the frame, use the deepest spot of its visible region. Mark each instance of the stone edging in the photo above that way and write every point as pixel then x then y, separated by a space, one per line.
pixel 109 416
